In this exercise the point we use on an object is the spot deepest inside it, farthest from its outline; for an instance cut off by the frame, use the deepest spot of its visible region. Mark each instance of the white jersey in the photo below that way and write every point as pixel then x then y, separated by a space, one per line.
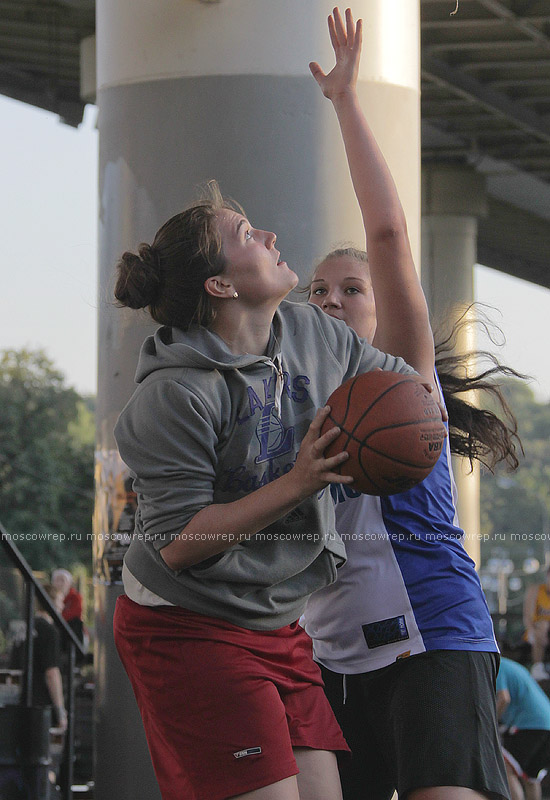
pixel 408 585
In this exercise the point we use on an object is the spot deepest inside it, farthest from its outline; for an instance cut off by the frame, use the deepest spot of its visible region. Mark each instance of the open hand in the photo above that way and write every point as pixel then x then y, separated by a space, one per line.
pixel 346 41
pixel 312 469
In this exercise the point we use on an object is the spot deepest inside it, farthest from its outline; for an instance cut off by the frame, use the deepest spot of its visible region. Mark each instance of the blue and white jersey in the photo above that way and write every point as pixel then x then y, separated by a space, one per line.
pixel 408 585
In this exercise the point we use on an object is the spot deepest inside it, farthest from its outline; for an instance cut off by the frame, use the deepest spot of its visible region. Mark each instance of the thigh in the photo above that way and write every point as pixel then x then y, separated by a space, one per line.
pixel 367 775
pixel 443 716
pixel 318 778
pixel 287 789
pixel 447 793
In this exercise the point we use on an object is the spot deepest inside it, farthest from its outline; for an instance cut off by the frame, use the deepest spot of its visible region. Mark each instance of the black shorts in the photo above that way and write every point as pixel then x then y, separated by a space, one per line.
pixel 427 720
pixel 528 753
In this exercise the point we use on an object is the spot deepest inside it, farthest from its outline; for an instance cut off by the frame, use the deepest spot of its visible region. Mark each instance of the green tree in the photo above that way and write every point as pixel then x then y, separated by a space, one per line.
pixel 46 461
pixel 515 507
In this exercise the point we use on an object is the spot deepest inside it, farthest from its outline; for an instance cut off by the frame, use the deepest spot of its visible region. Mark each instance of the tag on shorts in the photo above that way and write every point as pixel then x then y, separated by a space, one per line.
pixel 385 631
pixel 250 751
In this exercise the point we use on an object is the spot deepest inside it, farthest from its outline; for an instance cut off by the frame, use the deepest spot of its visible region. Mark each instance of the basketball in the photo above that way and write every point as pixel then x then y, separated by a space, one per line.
pixel 391 427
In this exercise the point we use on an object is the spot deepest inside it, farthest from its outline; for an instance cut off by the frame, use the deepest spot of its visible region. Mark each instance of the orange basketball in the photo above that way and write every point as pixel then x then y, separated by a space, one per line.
pixel 391 427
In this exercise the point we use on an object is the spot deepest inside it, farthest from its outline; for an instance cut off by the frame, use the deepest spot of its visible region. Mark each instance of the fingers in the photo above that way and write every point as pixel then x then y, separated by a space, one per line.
pixel 318 420
pixel 317 72
pixel 335 461
pixel 350 28
pixel 339 27
pixel 358 43
pixel 344 35
pixel 332 33
pixel 326 439
pixel 322 441
pixel 442 410
pixel 330 465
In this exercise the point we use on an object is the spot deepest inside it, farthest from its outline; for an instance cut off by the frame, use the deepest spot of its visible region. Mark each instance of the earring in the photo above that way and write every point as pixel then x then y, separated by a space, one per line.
pixel 235 295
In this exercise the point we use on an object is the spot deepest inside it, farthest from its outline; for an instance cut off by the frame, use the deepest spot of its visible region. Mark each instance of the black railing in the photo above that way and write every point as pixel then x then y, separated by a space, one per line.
pixel 34 589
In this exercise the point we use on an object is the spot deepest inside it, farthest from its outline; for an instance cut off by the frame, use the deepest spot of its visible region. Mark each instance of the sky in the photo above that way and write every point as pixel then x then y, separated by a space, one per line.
pixel 48 221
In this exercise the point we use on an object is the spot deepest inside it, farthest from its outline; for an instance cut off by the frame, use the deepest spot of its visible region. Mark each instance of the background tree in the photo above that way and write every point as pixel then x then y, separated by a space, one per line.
pixel 519 503
pixel 46 461
pixel 515 507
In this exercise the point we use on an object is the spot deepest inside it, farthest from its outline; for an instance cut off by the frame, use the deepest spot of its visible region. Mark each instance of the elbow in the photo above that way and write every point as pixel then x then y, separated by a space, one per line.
pixel 389 231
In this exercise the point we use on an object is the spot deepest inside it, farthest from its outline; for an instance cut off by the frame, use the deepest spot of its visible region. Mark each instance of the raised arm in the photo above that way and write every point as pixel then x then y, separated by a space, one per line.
pixel 403 326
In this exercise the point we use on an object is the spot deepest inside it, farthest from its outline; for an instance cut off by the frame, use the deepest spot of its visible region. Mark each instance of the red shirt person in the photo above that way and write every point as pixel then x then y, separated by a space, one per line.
pixel 72 600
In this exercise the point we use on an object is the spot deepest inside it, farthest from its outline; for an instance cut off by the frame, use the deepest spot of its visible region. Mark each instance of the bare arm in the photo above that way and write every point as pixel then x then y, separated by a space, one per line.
pixel 55 689
pixel 403 326
pixel 503 701
pixel 217 527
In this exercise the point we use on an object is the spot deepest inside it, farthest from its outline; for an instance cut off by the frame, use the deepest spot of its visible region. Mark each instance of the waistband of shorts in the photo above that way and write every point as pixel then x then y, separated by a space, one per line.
pixel 200 623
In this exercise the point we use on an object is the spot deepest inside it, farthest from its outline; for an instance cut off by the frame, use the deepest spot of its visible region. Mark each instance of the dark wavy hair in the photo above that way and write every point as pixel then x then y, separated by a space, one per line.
pixel 477 433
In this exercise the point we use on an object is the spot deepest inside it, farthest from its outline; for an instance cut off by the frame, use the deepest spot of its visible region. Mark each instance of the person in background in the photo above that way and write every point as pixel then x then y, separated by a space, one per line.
pixel 536 618
pixel 524 711
pixel 47 686
pixel 72 600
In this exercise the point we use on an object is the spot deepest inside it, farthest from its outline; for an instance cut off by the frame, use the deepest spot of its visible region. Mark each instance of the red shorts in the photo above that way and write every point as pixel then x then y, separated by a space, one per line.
pixel 222 706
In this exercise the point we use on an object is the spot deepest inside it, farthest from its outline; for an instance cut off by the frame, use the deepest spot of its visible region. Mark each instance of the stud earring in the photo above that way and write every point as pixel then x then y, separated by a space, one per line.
pixel 235 295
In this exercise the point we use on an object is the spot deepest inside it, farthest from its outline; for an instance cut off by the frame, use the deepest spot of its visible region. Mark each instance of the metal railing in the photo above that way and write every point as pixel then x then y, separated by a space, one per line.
pixel 34 589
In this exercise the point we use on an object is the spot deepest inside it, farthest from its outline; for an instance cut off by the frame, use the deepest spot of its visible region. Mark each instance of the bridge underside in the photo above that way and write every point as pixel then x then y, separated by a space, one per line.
pixel 485 102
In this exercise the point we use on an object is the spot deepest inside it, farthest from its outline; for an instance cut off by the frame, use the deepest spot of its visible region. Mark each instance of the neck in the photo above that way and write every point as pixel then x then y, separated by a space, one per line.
pixel 244 332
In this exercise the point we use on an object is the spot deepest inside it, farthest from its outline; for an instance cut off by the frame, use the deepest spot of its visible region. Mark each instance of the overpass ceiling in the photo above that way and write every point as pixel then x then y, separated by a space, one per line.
pixel 40 53
pixel 486 102
pixel 485 95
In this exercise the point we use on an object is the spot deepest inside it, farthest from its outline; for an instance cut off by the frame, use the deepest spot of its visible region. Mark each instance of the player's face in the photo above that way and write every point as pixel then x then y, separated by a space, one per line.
pixel 341 287
pixel 254 265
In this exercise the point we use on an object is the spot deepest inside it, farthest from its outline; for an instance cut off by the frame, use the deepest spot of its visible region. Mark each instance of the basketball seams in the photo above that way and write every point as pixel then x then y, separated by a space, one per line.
pixel 363 444
pixel 350 434
pixel 393 459
pixel 366 456
pixel 394 425
pixel 368 477
pixel 375 401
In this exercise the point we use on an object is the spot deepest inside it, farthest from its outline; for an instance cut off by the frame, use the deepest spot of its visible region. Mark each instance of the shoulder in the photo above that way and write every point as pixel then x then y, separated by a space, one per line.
pixel 175 391
pixel 303 319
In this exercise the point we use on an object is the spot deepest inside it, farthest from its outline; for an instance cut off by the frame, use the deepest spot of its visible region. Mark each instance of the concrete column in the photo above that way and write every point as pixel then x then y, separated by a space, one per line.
pixel 190 91
pixel 453 199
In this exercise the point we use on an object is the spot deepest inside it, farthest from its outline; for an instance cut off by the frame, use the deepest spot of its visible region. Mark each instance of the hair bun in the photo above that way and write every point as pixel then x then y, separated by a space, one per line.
pixel 139 277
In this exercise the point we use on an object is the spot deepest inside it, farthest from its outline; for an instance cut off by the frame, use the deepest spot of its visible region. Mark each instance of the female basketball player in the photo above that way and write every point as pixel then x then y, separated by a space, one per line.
pixel 404 635
pixel 233 530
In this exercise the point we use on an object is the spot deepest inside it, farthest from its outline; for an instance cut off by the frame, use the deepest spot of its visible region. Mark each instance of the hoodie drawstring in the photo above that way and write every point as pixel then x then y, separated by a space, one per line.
pixel 277 364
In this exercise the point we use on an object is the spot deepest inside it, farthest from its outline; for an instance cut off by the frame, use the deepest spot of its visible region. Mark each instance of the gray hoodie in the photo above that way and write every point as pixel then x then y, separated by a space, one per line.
pixel 207 426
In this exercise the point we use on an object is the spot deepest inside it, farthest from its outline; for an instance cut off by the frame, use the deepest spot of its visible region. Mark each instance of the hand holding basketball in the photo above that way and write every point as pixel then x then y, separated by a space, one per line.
pixel 314 467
